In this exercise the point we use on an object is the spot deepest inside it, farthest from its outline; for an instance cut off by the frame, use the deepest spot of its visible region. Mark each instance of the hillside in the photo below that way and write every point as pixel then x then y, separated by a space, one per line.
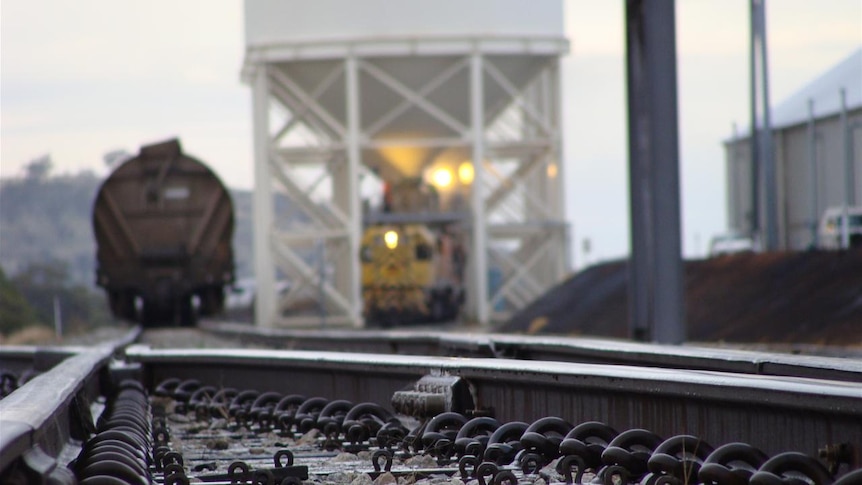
pixel 789 297
pixel 47 219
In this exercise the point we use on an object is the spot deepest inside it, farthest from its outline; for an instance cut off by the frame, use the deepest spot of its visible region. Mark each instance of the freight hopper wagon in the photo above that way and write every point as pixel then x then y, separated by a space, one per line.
pixel 163 224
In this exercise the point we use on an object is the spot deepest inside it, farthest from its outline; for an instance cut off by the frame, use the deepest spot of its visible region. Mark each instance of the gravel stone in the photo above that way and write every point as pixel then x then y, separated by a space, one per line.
pixel 343 457
pixel 385 479
pixel 218 444
pixel 407 480
pixel 362 479
pixel 421 461
pixel 309 438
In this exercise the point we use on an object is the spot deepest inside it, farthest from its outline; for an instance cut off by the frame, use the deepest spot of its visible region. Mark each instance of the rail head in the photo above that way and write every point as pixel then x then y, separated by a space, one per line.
pixel 784 391
pixel 27 414
pixel 557 348
pixel 37 414
pixel 690 356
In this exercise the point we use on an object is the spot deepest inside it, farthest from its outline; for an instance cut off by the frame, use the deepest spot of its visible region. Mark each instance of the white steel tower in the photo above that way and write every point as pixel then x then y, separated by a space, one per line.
pixel 346 93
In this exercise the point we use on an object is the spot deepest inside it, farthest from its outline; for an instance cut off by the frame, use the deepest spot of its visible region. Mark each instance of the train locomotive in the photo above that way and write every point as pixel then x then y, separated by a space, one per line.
pixel 412 262
pixel 163 224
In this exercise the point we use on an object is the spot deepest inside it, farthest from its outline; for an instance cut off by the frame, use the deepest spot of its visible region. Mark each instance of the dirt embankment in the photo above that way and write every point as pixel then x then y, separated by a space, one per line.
pixel 812 297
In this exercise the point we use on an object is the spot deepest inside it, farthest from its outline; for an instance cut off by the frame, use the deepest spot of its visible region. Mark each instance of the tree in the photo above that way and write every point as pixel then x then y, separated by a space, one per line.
pixel 15 312
pixel 115 158
pixel 42 284
pixel 47 220
pixel 39 168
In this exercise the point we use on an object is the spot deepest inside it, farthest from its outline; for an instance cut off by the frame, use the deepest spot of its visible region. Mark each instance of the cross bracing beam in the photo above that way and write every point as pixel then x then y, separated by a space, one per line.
pixel 290 259
pixel 516 179
pixel 413 97
pixel 520 269
pixel 326 217
pixel 498 110
pixel 422 93
pixel 522 273
pixel 310 102
pixel 304 109
pixel 518 98
pixel 322 133
pixel 311 155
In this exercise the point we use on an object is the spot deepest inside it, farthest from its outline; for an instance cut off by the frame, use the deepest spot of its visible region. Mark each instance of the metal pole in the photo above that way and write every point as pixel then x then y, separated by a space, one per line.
pixel 849 177
pixel 771 209
pixel 264 300
pixel 812 164
pixel 654 167
pixel 477 199
pixel 640 197
pixel 850 168
pixel 353 292
pixel 755 157
pixel 733 200
pixel 321 274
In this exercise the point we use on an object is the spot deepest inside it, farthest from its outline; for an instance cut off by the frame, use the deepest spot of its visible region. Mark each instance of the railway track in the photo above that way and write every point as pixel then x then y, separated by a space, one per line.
pixel 429 407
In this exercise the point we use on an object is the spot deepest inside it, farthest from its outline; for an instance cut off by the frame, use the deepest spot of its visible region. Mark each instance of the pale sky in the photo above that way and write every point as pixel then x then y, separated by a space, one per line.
pixel 79 79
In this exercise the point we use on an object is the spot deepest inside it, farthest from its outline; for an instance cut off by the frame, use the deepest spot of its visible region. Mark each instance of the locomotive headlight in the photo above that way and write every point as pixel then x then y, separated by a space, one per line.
pixel 391 239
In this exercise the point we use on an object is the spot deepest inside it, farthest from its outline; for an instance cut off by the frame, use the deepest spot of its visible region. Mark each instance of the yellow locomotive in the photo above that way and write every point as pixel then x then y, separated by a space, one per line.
pixel 411 273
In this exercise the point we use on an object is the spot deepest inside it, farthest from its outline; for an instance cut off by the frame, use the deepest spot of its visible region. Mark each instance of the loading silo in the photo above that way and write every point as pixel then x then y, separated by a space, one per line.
pixel 352 93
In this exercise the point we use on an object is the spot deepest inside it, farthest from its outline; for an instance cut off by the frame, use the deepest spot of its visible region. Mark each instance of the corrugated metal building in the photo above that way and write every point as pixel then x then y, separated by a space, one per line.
pixel 818 158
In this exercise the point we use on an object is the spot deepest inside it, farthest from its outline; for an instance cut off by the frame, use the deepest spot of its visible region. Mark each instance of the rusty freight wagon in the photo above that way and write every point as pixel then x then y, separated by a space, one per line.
pixel 163 224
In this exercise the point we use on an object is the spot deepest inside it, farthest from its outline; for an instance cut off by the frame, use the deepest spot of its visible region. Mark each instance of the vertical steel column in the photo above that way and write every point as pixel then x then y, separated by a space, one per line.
pixel 812 171
pixel 264 300
pixel 655 286
pixel 755 152
pixel 353 208
pixel 849 168
pixel 733 188
pixel 640 187
pixel 556 95
pixel 478 293
pixel 849 177
pixel 768 158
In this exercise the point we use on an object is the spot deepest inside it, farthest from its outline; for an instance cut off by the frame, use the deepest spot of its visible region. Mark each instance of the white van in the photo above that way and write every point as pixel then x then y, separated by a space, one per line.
pixel 831 225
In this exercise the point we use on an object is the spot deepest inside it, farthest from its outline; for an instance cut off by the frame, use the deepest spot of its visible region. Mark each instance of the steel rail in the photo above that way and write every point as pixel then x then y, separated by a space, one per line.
pixel 774 413
pixel 39 419
pixel 561 349
pixel 40 358
pixel 22 358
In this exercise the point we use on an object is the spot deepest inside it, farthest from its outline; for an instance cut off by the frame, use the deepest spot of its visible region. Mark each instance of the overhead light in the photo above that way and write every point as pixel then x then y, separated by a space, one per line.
pixel 465 173
pixel 441 178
